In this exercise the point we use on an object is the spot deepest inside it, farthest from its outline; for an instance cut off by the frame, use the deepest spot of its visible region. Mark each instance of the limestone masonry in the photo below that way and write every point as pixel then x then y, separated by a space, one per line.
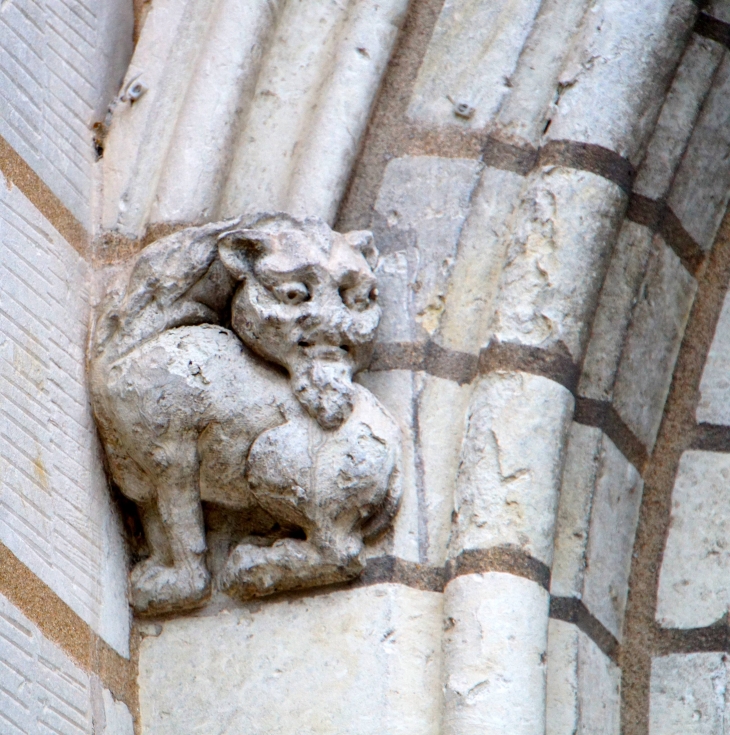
pixel 364 367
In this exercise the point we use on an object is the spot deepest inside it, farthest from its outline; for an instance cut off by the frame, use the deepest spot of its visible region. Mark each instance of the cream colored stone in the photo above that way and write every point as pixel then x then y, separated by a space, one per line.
pixel 56 514
pixel 495 647
pixel 422 203
pixel 60 67
pixel 511 464
pixel 190 411
pixel 529 103
pixel 614 515
pixel 694 585
pixel 597 517
pixel 42 690
pixel 583 685
pixel 117 717
pixel 574 510
pixel 700 192
pixel 714 404
pixel 613 315
pixel 472 54
pixel 472 288
pixel 689 694
pixel 557 254
pixel 366 661
pixel 398 391
pixel 246 107
pixel 654 337
pixel 678 116
pixel 624 56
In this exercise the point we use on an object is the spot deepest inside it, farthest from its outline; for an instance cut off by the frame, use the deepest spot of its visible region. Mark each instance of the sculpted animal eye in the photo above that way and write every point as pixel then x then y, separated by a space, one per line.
pixel 357 298
pixel 292 293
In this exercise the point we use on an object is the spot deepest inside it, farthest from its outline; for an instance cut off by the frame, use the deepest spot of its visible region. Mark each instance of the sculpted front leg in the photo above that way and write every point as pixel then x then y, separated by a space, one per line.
pixel 175 576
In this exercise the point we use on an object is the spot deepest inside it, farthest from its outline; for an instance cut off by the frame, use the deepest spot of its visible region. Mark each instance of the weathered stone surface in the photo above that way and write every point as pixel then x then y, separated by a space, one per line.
pixel 494 655
pixel 366 661
pixel 620 47
pixel 614 515
pixel 314 460
pixel 529 104
pixel 41 688
pixel 611 322
pixel 61 65
pixel 117 718
pixel 511 464
pixel 472 288
pixel 422 205
pixel 398 391
pixel 694 585
pixel 248 106
pixel 582 458
pixel 714 404
pixel 651 348
pixel 583 685
pixel 431 413
pixel 56 515
pixel 701 189
pixel 474 49
pixel 689 694
pixel 597 517
pixel 678 116
pixel 557 254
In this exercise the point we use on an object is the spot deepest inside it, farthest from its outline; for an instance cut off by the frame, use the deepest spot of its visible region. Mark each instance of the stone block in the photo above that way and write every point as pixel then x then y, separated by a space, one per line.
pixel 652 344
pixel 714 404
pixel 611 321
pixel 694 584
pixel 614 515
pixel 430 412
pixel 41 689
pixel 557 254
pixel 422 205
pixel 583 685
pixel 701 188
pixel 511 464
pixel 472 54
pixel 62 63
pixel 472 287
pixel 398 391
pixel 529 103
pixel 620 47
pixel 57 515
pixel 494 655
pixel 689 694
pixel 596 526
pixel 117 718
pixel 365 661
pixel 678 116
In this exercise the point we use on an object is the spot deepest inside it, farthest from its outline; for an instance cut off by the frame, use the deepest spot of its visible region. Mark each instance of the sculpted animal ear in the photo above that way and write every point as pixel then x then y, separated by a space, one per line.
pixel 237 248
pixel 362 240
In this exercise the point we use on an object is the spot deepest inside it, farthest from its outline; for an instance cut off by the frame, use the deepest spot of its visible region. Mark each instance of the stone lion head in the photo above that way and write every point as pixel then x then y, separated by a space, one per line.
pixel 307 300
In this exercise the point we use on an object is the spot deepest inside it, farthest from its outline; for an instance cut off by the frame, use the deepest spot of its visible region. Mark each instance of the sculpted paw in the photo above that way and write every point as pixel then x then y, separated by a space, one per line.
pixel 157 588
pixel 254 571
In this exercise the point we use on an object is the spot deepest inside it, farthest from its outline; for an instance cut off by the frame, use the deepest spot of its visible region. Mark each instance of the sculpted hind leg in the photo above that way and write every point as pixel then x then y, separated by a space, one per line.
pixel 175 575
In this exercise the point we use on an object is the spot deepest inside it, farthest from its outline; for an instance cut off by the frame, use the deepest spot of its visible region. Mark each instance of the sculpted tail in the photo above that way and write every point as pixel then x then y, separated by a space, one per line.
pixel 173 282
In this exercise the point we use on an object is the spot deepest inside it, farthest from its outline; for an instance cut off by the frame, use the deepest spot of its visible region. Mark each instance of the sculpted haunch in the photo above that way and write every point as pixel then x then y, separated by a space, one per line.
pixel 191 411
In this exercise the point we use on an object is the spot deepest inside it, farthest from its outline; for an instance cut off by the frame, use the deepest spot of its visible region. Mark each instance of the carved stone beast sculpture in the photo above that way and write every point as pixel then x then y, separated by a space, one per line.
pixel 189 410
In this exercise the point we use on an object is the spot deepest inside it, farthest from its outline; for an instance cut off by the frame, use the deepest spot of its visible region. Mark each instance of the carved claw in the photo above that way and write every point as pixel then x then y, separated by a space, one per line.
pixel 157 588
